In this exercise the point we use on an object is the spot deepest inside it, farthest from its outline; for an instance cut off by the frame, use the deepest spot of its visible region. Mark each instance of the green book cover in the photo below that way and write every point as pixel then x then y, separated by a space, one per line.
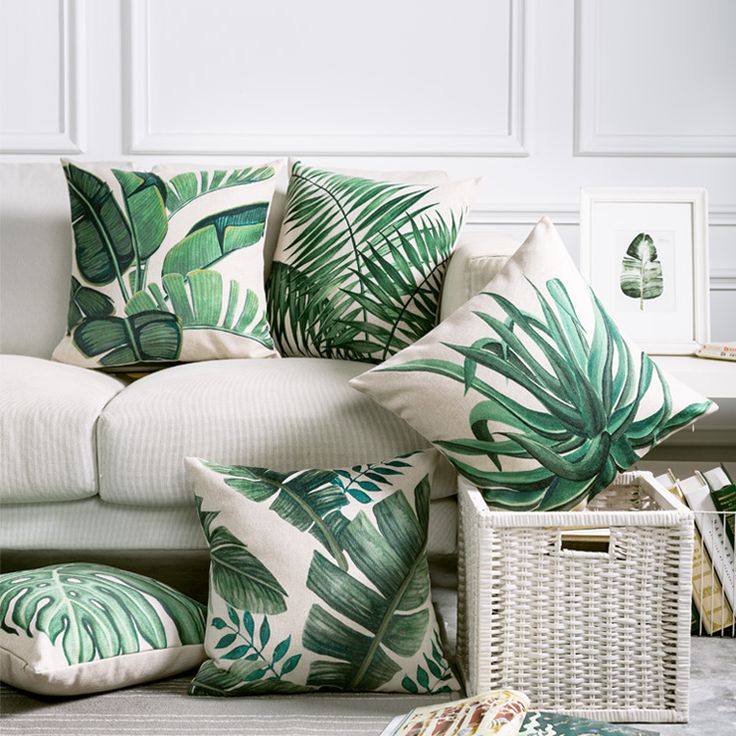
pixel 724 499
pixel 541 723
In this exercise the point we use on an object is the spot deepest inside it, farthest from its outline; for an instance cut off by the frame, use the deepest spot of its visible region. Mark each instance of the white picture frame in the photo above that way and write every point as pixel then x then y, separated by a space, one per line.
pixel 664 304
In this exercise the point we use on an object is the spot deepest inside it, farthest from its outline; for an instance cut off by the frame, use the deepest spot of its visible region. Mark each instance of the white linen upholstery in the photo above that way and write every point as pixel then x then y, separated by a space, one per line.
pixel 476 260
pixel 284 414
pixel 92 524
pixel 47 428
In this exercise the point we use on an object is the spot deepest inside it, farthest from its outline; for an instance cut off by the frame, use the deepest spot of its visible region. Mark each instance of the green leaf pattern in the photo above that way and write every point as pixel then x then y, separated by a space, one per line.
pixel 641 274
pixel 574 419
pixel 97 612
pixel 370 625
pixel 142 317
pixel 359 269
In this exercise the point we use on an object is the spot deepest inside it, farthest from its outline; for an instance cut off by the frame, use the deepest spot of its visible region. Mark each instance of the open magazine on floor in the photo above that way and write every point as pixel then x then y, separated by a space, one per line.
pixel 498 713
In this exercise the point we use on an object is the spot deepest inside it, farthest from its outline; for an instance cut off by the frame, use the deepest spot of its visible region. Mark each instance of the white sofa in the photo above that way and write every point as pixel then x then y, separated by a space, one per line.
pixel 91 465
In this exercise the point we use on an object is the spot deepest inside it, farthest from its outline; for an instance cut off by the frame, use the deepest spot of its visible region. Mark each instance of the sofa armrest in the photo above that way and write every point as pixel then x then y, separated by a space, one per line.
pixel 476 260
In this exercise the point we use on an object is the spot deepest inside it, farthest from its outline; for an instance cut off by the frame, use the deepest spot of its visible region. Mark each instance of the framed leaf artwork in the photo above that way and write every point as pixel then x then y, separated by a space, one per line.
pixel 644 251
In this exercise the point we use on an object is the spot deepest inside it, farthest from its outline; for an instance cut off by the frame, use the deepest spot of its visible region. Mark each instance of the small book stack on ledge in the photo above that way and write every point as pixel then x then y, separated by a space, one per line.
pixel 717 351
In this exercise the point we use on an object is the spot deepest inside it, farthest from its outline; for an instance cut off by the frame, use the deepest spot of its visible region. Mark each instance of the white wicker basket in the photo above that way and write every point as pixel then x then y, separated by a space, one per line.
pixel 603 635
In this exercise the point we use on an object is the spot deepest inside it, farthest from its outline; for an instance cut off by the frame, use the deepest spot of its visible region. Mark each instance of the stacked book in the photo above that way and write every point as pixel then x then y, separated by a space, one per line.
pixel 498 713
pixel 712 497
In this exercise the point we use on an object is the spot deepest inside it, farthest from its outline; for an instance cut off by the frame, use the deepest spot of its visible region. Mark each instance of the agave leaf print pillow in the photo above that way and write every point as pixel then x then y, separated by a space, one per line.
pixel 83 628
pixel 168 265
pixel 359 264
pixel 531 390
pixel 316 583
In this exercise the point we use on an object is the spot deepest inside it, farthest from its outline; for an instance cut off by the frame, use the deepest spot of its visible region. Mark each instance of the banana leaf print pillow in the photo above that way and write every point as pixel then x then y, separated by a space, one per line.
pixel 168 265
pixel 531 390
pixel 83 628
pixel 319 579
pixel 359 265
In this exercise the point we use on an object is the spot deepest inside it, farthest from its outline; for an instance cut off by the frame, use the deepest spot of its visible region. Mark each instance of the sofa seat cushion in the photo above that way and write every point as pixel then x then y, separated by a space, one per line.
pixel 90 524
pixel 281 414
pixel 48 413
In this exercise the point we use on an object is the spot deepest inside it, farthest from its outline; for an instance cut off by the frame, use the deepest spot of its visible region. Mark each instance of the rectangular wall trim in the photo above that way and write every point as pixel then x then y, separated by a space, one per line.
pixel 142 139
pixel 589 141
pixel 71 136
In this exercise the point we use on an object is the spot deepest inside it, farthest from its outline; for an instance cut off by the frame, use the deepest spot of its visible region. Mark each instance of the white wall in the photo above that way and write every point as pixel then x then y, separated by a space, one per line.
pixel 540 97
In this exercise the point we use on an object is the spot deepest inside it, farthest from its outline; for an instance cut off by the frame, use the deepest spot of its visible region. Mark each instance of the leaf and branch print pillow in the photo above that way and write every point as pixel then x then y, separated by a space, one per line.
pixel 319 579
pixel 358 269
pixel 168 265
pixel 531 390
pixel 82 628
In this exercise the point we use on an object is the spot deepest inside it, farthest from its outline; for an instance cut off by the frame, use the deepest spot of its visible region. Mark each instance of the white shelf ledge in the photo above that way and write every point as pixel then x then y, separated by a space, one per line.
pixel 715 379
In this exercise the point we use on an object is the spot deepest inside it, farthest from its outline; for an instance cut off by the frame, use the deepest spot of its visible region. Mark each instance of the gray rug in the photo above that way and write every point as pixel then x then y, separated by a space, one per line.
pixel 163 708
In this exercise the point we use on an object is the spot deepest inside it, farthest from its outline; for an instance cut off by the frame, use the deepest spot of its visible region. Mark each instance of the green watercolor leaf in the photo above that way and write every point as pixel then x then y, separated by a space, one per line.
pixel 216 236
pixel 641 274
pixel 151 336
pixel 102 237
pixel 97 611
pixel 393 609
pixel 86 302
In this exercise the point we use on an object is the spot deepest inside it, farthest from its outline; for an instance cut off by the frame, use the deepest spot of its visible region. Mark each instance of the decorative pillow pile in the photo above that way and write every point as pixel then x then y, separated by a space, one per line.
pixel 168 265
pixel 531 390
pixel 83 628
pixel 359 265
pixel 319 579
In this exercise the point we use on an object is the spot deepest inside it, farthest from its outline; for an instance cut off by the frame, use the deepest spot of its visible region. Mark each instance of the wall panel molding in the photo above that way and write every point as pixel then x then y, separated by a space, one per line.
pixel 71 135
pixel 723 279
pixel 142 139
pixel 590 141
pixel 566 214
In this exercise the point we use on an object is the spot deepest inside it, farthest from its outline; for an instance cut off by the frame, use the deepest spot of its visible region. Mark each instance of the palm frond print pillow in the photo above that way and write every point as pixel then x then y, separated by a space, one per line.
pixel 359 265
pixel 531 390
pixel 319 579
pixel 168 265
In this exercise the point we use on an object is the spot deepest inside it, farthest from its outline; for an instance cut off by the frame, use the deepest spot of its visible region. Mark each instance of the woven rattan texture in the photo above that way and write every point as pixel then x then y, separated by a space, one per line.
pixel 597 634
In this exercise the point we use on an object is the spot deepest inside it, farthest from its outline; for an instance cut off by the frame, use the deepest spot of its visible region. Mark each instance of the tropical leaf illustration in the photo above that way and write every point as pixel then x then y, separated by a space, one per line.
pixel 86 302
pixel 200 303
pixel 140 338
pixel 185 188
pixel 354 283
pixel 361 480
pixel 98 611
pixel 436 666
pixel 296 308
pixel 253 669
pixel 589 392
pixel 103 241
pixel 403 302
pixel 641 275
pixel 215 236
pixel 144 195
pixel 238 576
pixel 393 609
pixel 212 680
pixel 309 500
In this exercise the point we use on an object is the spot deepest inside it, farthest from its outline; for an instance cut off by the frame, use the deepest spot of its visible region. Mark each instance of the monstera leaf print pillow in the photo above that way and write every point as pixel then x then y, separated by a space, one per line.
pixel 359 264
pixel 168 265
pixel 319 579
pixel 83 628
pixel 531 390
